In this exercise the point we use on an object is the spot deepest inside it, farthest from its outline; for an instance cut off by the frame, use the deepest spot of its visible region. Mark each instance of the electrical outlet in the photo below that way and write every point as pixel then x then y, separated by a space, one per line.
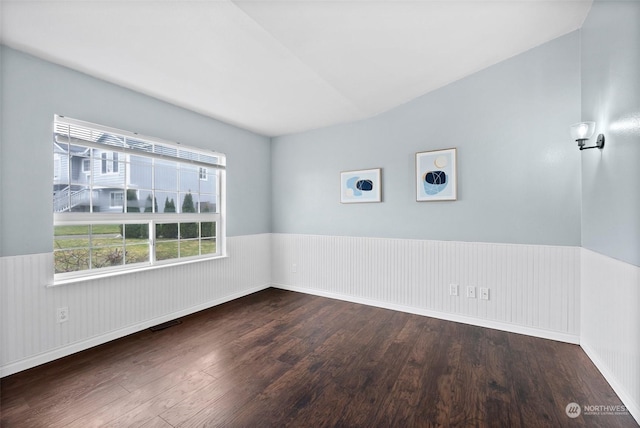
pixel 294 268
pixel 484 293
pixel 453 289
pixel 471 292
pixel 63 314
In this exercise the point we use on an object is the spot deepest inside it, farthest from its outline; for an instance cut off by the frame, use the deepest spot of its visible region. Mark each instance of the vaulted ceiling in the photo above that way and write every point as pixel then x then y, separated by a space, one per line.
pixel 280 67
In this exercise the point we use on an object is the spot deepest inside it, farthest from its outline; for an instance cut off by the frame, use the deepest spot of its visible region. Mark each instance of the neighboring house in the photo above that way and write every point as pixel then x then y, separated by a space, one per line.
pixel 85 176
pixel 80 179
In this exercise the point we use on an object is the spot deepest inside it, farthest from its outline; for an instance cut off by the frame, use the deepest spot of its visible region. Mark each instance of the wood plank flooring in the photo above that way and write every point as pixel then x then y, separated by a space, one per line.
pixel 283 359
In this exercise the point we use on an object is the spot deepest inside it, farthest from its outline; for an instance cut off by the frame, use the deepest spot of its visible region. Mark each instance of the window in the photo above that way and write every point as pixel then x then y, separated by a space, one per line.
pixel 154 203
pixel 110 163
pixel 117 199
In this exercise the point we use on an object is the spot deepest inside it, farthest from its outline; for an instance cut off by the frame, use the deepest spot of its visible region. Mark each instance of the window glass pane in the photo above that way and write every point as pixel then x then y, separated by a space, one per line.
pixel 208 229
pixel 96 161
pixel 133 232
pixel 74 199
pixel 188 230
pixel 189 248
pixel 207 203
pixel 118 164
pixel 188 202
pixel 136 243
pixel 148 203
pixel 107 257
pixel 189 178
pixel 167 202
pixel 108 200
pixel 203 174
pixel 65 232
pixel 167 231
pixel 138 253
pixel 208 246
pixel 166 175
pixel 71 260
pixel 103 235
pixel 71 248
pixel 60 174
pixel 109 230
pixel 78 165
pixel 140 172
pixel 209 185
pixel 111 163
pixel 133 203
pixel 166 250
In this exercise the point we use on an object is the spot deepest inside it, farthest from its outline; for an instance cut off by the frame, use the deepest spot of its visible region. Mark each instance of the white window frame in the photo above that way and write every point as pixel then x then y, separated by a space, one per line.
pixel 97 218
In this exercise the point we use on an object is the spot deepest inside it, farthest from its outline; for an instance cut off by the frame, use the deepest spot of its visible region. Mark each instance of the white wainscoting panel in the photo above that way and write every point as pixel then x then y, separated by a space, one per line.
pixel 610 324
pixel 108 308
pixel 534 289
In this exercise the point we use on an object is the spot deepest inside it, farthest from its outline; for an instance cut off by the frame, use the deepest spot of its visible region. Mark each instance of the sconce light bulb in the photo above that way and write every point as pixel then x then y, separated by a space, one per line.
pixel 582 131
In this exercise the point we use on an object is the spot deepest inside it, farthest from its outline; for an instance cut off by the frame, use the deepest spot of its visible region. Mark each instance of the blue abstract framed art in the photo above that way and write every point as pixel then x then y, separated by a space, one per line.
pixel 436 175
pixel 360 186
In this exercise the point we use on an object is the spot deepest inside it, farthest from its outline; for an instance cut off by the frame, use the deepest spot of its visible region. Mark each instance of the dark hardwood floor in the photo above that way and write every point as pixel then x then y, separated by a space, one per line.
pixel 278 358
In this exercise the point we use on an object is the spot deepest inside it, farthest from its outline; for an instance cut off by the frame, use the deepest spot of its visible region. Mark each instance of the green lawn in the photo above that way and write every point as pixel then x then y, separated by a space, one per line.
pixel 73 254
pixel 99 229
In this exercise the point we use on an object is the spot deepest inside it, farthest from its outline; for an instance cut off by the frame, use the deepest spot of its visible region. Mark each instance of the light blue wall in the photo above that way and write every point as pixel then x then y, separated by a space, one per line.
pixel 611 97
pixel 34 90
pixel 518 171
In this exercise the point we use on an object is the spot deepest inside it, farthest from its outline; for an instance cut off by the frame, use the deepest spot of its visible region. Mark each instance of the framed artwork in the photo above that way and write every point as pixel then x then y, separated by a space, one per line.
pixel 436 175
pixel 360 186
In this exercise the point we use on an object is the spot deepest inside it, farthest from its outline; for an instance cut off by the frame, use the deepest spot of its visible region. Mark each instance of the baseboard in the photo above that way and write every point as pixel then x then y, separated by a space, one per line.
pixel 73 348
pixel 633 408
pixel 496 325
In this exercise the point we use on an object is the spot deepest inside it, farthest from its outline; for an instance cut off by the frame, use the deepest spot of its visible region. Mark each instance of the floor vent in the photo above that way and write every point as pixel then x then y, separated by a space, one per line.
pixel 165 325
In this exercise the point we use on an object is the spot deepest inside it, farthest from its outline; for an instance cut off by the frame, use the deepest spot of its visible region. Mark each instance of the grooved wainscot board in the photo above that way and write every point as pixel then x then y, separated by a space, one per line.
pixel 278 358
pixel 111 307
pixel 534 289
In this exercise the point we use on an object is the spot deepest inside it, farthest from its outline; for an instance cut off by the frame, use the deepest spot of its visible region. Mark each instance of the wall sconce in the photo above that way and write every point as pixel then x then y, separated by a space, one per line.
pixel 582 131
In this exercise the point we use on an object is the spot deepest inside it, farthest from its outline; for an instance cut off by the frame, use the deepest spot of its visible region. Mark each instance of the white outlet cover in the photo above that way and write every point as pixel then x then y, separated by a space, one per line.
pixel 63 315
pixel 471 292
pixel 484 293
pixel 453 289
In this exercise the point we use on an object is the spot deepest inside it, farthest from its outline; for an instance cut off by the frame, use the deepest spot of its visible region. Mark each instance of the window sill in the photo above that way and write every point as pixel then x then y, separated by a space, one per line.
pixel 96 276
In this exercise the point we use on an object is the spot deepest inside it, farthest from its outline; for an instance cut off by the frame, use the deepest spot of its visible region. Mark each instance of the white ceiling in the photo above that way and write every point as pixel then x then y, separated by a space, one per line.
pixel 280 67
